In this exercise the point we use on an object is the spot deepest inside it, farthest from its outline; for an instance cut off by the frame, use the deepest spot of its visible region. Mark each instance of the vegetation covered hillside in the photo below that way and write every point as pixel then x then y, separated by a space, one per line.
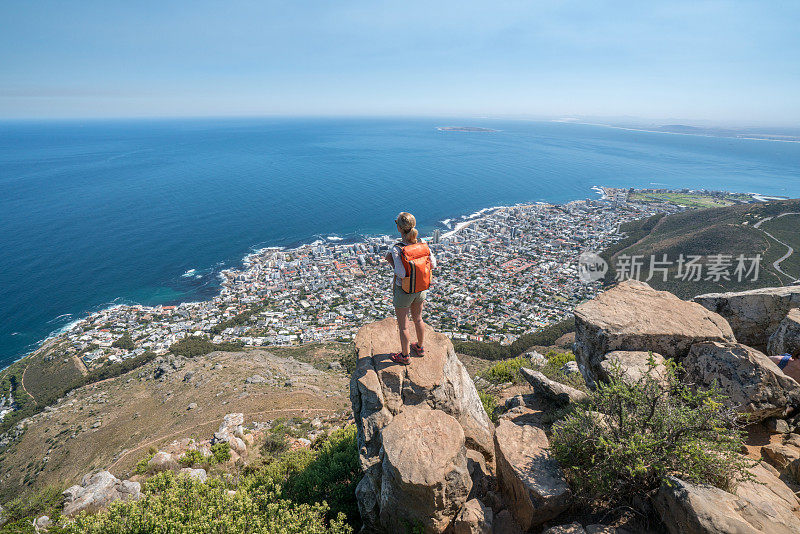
pixel 729 231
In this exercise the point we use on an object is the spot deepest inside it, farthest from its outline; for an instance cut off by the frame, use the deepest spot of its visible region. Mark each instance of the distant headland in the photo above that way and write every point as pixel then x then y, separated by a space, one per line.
pixel 464 129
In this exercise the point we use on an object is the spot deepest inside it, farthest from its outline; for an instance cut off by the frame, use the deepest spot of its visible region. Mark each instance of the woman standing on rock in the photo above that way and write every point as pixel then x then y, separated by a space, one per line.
pixel 413 262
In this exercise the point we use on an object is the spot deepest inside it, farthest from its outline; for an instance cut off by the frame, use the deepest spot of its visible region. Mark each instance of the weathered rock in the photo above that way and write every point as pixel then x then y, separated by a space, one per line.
pixel 96 491
pixel 162 461
pixel 42 524
pixel 763 505
pixel 572 528
pixel 749 379
pixel 570 368
pixel 425 480
pixel 197 474
pixel 633 365
pixel 230 432
pixel 779 426
pixel 753 315
pixel 530 480
pixel 634 317
pixel 474 518
pixel 381 389
pixel 786 339
pixel 255 379
pixel 504 523
pixel 785 456
pixel 192 406
pixel 537 359
pixel 551 390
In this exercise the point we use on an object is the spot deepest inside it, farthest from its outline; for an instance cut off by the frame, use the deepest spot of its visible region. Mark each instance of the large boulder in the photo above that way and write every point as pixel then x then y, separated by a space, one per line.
pixel 751 381
pixel 786 339
pixel 763 505
pixel 634 317
pixel 754 315
pixel 550 390
pixel 633 366
pixel 380 390
pixel 531 481
pixel 425 480
pixel 98 490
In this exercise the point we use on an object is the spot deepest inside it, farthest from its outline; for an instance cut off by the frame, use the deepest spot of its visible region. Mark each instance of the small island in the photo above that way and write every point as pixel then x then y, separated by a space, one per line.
pixel 463 129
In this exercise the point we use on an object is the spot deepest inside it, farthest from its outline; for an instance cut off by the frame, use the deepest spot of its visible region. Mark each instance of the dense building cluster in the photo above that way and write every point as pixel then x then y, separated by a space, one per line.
pixel 499 274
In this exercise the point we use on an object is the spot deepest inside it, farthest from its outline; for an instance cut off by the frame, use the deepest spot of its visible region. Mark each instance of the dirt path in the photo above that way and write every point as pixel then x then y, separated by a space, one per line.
pixel 777 263
pixel 22 383
pixel 207 423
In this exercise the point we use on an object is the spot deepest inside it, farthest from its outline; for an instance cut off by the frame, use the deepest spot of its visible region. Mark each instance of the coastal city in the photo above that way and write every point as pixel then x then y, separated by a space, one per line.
pixel 500 273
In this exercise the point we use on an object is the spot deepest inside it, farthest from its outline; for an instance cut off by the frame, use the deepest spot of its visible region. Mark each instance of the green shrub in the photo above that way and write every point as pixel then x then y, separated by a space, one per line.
pixel 552 369
pixel 192 346
pixel 180 504
pixel 192 458
pixel 629 437
pixel 331 476
pixel 220 453
pixel 124 342
pixel 141 466
pixel 506 370
pixel 489 402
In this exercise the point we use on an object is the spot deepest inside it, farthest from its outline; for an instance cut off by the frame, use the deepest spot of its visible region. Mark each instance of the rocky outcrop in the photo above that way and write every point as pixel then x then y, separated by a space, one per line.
pixel 550 390
pixel 231 432
pixel 753 315
pixel 632 365
pixel 162 461
pixel 381 390
pixel 750 380
pixel 786 339
pixel 634 317
pixel 425 480
pixel 98 490
pixel 474 518
pixel 531 482
pixel 785 456
pixel 763 505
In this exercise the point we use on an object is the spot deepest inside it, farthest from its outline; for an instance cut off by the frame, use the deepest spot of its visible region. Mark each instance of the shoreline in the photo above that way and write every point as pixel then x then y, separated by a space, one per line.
pixel 459 223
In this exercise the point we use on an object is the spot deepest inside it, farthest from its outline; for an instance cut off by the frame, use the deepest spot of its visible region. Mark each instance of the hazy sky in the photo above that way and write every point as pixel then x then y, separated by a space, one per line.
pixel 724 61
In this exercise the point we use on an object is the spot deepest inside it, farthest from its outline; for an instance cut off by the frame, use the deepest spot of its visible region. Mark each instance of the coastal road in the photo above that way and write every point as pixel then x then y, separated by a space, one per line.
pixel 777 263
pixel 213 422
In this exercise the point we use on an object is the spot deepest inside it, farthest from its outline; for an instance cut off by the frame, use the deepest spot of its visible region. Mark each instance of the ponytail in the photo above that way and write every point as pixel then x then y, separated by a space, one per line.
pixel 406 223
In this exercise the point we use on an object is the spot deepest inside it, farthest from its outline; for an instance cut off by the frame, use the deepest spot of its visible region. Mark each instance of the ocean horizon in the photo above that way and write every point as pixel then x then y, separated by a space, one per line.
pixel 102 212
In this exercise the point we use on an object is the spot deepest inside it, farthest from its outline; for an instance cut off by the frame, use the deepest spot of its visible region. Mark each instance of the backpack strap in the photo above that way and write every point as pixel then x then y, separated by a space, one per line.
pixel 785 358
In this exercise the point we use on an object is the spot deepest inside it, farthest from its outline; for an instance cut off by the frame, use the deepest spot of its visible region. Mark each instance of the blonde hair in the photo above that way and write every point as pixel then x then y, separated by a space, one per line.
pixel 406 222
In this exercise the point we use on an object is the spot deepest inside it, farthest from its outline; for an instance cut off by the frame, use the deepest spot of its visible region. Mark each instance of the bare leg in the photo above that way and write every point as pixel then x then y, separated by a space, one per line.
pixel 416 316
pixel 402 326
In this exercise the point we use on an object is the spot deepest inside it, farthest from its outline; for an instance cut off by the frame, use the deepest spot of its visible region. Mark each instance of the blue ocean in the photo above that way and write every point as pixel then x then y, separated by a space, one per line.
pixel 100 212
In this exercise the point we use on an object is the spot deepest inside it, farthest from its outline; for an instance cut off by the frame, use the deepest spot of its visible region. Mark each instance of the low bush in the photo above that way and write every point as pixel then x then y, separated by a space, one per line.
pixel 506 370
pixel 180 504
pixel 303 491
pixel 630 436
pixel 193 346
pixel 489 402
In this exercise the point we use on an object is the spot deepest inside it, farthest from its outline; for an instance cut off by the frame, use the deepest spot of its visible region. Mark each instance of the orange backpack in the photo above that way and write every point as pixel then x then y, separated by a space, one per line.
pixel 416 259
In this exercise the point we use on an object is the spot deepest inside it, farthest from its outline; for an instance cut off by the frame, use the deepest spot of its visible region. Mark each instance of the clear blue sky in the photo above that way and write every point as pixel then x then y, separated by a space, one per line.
pixel 734 62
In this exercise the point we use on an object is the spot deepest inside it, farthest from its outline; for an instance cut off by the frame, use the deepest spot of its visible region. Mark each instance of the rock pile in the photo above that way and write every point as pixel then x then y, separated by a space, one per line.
pixel 427 448
pixel 98 490
pixel 391 403
pixel 753 315
pixel 635 317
